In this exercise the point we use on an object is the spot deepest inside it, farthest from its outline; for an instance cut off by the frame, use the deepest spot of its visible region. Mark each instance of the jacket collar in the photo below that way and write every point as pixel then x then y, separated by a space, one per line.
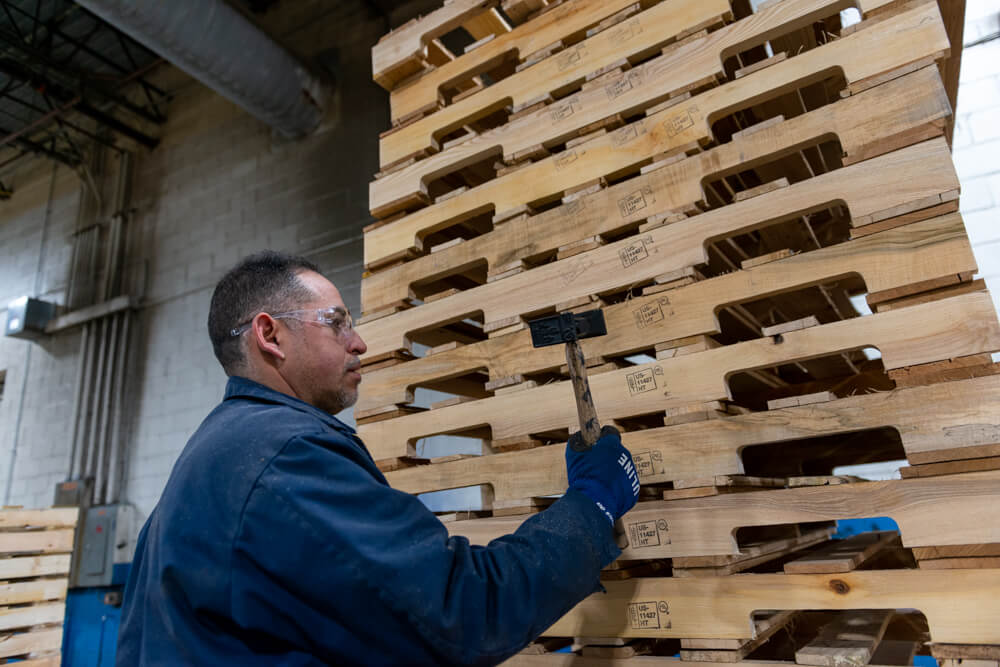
pixel 240 387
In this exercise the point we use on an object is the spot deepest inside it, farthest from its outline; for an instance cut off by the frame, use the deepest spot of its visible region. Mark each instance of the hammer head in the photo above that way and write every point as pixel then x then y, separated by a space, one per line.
pixel 566 327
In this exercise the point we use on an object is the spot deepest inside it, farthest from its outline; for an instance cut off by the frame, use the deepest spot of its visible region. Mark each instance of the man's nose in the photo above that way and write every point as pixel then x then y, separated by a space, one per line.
pixel 357 344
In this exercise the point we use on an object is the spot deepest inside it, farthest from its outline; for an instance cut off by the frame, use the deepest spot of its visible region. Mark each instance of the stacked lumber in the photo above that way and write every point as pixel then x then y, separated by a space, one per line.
pixel 729 186
pixel 35 551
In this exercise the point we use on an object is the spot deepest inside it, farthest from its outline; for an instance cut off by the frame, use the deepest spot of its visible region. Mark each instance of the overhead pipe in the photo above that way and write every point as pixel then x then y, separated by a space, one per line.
pixel 220 47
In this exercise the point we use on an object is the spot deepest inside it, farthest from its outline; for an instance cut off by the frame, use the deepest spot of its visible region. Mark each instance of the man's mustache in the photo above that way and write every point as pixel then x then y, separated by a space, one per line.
pixel 353 364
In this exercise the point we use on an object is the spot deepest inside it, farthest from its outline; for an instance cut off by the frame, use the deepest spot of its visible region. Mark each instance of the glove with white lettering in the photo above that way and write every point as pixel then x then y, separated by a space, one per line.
pixel 605 473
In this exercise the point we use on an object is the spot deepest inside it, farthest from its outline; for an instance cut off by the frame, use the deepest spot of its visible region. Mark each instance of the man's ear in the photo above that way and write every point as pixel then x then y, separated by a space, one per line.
pixel 264 332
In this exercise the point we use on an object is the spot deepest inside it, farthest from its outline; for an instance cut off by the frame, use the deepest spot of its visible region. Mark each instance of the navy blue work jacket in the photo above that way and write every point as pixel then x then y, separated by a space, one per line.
pixel 278 542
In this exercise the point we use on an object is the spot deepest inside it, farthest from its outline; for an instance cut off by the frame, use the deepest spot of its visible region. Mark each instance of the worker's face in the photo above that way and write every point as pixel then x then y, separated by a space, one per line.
pixel 321 366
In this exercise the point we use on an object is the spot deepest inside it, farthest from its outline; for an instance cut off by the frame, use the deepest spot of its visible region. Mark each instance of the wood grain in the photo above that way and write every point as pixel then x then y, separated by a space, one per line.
pixel 871 117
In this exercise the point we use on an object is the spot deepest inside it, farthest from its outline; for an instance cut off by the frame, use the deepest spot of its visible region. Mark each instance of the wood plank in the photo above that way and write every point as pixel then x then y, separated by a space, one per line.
pixel 905 37
pixel 47 541
pixel 575 660
pixel 934 418
pixel 754 551
pixel 60 517
pixel 950 467
pixel 35 641
pixel 960 606
pixel 928 511
pixel 850 639
pixel 764 629
pixel 36 590
pixel 955 651
pixel 957 551
pixel 988 562
pixel 33 566
pixel 964 324
pixel 870 117
pixel 515 46
pixel 636 259
pixel 745 562
pixel 23 617
pixel 842 555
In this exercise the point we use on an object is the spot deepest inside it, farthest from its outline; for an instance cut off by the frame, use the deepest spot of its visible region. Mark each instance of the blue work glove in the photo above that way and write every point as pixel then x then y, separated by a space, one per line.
pixel 604 473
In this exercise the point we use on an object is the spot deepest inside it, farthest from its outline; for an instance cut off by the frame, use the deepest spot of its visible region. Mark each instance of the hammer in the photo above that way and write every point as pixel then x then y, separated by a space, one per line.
pixel 570 328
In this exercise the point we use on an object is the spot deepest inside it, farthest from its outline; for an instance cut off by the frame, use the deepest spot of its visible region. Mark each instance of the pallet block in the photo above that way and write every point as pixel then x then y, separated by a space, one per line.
pixel 936 248
pixel 861 123
pixel 905 38
pixel 934 422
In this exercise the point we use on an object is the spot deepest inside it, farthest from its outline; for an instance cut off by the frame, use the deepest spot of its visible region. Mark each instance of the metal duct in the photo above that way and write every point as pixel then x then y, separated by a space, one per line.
pixel 217 45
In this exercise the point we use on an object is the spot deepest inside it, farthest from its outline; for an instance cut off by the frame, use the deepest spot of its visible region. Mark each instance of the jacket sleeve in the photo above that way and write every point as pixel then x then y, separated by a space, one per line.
pixel 324 544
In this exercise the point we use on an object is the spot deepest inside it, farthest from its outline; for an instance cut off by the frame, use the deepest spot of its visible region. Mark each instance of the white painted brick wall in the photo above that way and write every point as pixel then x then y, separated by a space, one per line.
pixel 976 146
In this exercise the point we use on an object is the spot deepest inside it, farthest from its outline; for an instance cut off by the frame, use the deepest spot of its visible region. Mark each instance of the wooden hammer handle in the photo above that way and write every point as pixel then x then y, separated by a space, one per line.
pixel 590 428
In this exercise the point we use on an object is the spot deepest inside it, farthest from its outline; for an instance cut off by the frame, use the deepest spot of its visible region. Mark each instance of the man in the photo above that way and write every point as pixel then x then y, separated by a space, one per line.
pixel 277 541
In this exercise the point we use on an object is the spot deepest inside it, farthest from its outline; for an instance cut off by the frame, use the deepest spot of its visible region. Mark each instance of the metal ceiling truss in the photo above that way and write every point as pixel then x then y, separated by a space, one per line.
pixel 67 79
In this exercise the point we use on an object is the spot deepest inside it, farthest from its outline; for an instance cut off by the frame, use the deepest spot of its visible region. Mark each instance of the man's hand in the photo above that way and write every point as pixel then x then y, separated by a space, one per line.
pixel 604 473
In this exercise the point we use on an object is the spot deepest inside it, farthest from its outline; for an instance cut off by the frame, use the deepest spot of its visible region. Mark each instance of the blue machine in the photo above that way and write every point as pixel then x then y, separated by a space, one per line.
pixel 90 633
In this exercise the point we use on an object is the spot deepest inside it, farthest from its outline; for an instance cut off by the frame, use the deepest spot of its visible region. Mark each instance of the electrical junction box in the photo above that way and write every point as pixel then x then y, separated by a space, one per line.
pixel 27 317
pixel 106 535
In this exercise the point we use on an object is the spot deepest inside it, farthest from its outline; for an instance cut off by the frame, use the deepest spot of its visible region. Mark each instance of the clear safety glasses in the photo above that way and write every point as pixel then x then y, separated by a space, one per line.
pixel 336 318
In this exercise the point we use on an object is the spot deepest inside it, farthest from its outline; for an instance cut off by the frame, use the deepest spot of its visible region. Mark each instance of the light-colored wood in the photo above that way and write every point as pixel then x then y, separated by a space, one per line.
pixel 36 641
pixel 636 259
pixel 400 53
pixel 870 117
pixel 35 590
pixel 954 651
pixel 61 517
pixel 794 325
pixel 842 555
pixel 637 35
pixel 957 551
pixel 987 562
pixel 33 566
pixel 763 630
pixel 907 36
pixel 47 541
pixel 961 325
pixel 543 659
pixel 754 551
pixel 23 617
pixel 849 640
pixel 561 22
pixel 747 561
pixel 807 399
pixel 931 511
pixel 950 467
pixel 935 248
pixel 960 606
pixel 936 420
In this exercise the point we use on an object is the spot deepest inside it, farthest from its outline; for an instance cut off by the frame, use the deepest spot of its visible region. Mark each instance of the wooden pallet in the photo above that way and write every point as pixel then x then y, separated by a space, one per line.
pixel 36 546
pixel 864 124
pixel 912 36
pixel 938 511
pixel 949 328
pixel 960 605
pixel 939 250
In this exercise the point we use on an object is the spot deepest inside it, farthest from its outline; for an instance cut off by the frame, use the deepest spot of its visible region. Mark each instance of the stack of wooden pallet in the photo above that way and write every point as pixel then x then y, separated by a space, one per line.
pixel 35 549
pixel 730 184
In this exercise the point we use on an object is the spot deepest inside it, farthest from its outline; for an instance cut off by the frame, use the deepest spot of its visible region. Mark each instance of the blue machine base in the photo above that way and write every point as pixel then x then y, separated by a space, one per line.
pixel 90 634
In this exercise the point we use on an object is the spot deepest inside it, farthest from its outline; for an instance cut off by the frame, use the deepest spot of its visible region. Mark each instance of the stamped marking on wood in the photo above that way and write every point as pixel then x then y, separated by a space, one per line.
pixel 636 201
pixel 649 615
pixel 648 463
pixel 642 381
pixel 653 312
pixel 648 533
pixel 636 251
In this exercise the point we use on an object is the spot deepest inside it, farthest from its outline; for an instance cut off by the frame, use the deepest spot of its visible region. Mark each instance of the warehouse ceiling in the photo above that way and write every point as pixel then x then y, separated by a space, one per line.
pixel 68 79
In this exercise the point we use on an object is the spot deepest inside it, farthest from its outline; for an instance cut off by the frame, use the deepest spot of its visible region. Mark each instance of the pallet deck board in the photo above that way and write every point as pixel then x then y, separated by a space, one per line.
pixel 928 512
pixel 960 606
